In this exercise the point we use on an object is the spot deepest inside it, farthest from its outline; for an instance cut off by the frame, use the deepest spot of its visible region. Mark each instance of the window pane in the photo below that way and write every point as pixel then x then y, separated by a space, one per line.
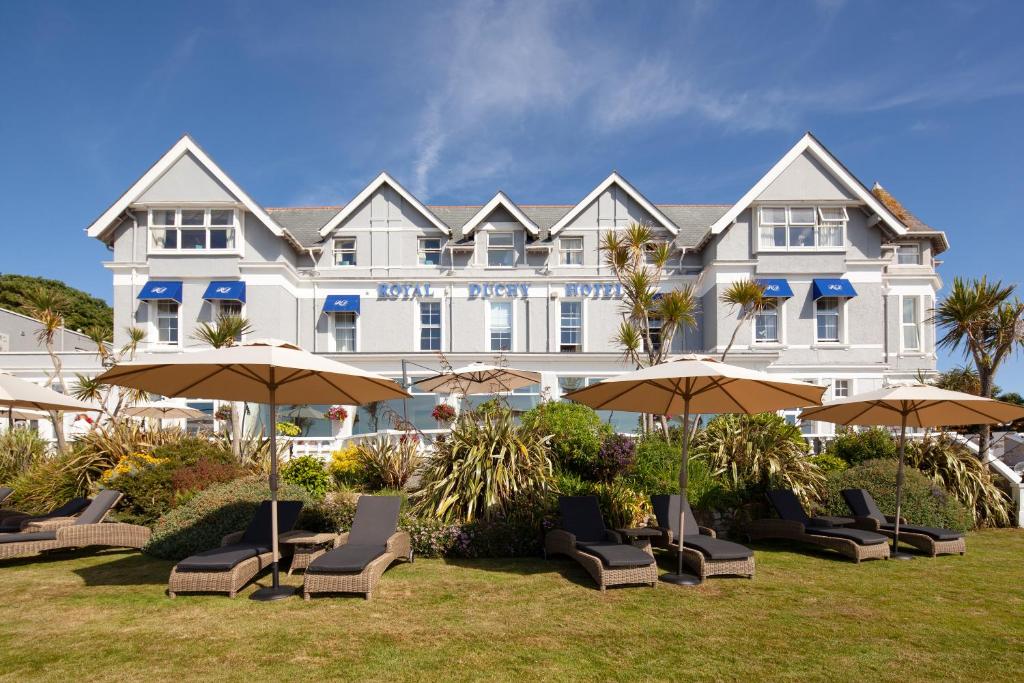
pixel 222 217
pixel 222 238
pixel 192 216
pixel 773 215
pixel 501 239
pixel 501 326
pixel 167 322
pixel 909 254
pixel 909 310
pixel 571 333
pixel 345 332
pixel 801 216
pixel 766 323
pixel 841 388
pixel 501 257
pixel 801 237
pixel 165 239
pixel 833 213
pixel 193 239
pixel 163 217
pixel 911 339
pixel 830 235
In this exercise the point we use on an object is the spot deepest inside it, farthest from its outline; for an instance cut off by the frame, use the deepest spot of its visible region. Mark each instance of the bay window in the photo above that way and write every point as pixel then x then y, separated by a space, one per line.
pixel 826 314
pixel 193 229
pixel 571 327
pixel 501 249
pixel 344 331
pixel 908 254
pixel 801 227
pixel 766 322
pixel 500 326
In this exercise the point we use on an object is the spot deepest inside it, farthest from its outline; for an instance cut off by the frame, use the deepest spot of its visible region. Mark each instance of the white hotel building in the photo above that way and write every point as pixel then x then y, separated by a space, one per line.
pixel 385 278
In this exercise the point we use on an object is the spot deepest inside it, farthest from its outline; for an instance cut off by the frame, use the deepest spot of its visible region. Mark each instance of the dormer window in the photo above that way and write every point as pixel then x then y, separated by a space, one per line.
pixel 501 249
pixel 798 228
pixel 193 229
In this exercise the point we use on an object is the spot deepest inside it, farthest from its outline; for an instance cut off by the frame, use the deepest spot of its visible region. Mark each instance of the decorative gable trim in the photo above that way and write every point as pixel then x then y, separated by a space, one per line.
pixel 500 199
pixel 182 147
pixel 615 179
pixel 368 191
pixel 808 143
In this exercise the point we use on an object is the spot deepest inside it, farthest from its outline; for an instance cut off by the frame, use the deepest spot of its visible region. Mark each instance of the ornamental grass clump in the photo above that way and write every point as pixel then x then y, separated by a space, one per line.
pixel 387 463
pixel 487 466
pixel 20 448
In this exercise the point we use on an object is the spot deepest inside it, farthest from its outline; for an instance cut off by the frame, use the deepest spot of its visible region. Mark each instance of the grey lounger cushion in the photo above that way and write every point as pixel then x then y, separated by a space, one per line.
pixel 863 505
pixel 617 554
pixel 99 507
pixel 858 536
pixel 375 521
pixel 221 559
pixel 34 536
pixel 581 517
pixel 68 509
pixel 666 509
pixel 349 558
pixel 788 506
pixel 716 548
pixel 259 530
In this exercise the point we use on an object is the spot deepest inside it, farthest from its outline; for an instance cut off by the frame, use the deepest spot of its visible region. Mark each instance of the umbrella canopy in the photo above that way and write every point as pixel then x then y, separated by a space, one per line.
pixel 303 413
pixel 164 410
pixel 912 405
pixel 478 378
pixel 264 371
pixel 695 384
pixel 17 393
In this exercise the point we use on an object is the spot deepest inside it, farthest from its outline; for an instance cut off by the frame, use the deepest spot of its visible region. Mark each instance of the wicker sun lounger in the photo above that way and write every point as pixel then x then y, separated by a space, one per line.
pixel 362 554
pixel 583 537
pixel 241 556
pixel 64 515
pixel 88 529
pixel 705 553
pixel 5 493
pixel 930 540
pixel 794 525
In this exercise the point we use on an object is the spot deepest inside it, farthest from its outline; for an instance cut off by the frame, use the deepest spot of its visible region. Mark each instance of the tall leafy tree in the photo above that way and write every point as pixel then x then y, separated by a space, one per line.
pixel 984 320
pixel 227 331
pixel 747 296
pixel 650 318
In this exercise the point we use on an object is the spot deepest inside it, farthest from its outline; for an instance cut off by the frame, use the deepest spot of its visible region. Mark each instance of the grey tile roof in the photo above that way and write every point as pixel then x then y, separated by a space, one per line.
pixel 693 220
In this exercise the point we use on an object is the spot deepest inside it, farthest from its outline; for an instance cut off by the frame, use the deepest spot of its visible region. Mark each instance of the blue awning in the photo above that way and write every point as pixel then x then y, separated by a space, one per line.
pixel 336 303
pixel 832 287
pixel 226 290
pixel 777 288
pixel 161 290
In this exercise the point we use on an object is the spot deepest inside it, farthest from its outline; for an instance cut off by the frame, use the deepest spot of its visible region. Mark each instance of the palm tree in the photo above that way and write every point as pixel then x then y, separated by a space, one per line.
pixel 984 320
pixel 650 319
pixel 961 378
pixel 227 331
pixel 49 307
pixel 749 297
pixel 88 389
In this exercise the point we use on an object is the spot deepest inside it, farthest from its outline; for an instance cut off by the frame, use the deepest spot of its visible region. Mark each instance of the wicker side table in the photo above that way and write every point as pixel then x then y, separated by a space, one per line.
pixel 306 547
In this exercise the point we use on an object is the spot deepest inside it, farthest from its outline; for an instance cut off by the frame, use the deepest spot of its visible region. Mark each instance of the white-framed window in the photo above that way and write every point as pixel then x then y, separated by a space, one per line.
pixel 501 249
pixel 841 388
pixel 908 254
pixel 430 325
pixel 230 309
pixel 166 319
pixel 571 251
pixel 826 316
pixel 910 323
pixel 428 251
pixel 571 327
pixel 801 227
pixel 766 322
pixel 500 326
pixel 345 331
pixel 344 251
pixel 193 229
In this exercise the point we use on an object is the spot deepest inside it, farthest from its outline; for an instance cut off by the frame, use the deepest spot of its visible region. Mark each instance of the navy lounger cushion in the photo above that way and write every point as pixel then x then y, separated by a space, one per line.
pixel 716 548
pixel 258 531
pixel 617 554
pixel 788 506
pixel 375 521
pixel 666 509
pixel 858 536
pixel 581 517
pixel 346 559
pixel 220 559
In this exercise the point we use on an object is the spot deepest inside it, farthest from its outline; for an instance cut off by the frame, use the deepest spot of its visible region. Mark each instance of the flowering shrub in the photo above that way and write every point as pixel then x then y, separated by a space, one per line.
pixel 431 537
pixel 345 466
pixel 443 413
pixel 614 457
pixel 288 429
pixel 202 475
pixel 308 472
pixel 337 413
pixel 130 465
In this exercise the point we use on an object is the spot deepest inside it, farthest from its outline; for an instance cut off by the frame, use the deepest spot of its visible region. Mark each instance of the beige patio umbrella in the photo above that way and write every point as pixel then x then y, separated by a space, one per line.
pixel 164 410
pixel 696 384
pixel 261 371
pixel 18 393
pixel 912 405
pixel 478 378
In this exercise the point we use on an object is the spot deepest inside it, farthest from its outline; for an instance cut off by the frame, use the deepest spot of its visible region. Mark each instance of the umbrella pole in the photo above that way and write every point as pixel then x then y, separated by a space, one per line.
pixel 896 554
pixel 275 591
pixel 679 578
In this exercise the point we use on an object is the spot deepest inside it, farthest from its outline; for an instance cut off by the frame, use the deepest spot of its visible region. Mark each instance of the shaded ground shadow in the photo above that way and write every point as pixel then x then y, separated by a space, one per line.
pixel 135 569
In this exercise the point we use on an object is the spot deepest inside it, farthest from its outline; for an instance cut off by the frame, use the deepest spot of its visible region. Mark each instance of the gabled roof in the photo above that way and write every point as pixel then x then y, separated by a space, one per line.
pixel 914 224
pixel 615 179
pixel 186 145
pixel 809 143
pixel 367 192
pixel 500 199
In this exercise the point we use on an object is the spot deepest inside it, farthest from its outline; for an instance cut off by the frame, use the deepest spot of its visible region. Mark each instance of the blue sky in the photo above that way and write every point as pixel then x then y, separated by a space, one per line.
pixel 303 103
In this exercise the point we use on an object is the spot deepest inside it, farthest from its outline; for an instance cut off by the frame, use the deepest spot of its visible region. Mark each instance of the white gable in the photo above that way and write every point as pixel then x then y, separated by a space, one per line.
pixel 806 179
pixel 615 202
pixel 371 192
pixel 500 201
pixel 186 181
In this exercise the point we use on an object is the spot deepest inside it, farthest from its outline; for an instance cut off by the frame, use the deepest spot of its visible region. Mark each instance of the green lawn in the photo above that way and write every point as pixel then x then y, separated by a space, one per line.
pixel 804 617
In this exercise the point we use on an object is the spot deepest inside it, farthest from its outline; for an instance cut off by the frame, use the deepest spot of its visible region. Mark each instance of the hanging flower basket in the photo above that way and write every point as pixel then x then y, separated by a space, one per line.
pixel 443 413
pixel 223 413
pixel 337 414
